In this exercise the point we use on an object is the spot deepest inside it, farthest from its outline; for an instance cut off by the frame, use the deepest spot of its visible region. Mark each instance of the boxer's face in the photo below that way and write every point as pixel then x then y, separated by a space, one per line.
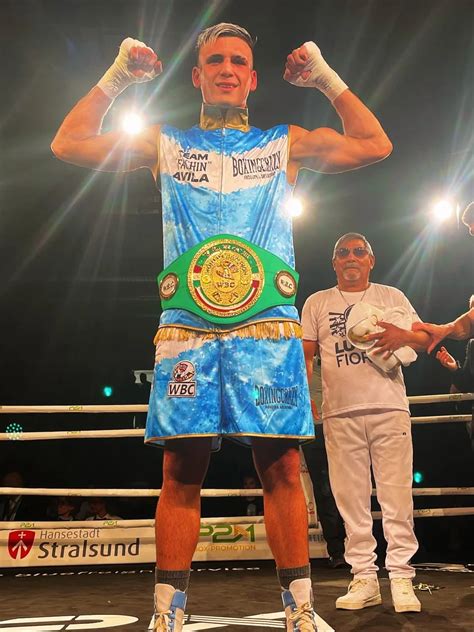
pixel 471 229
pixel 353 263
pixel 225 72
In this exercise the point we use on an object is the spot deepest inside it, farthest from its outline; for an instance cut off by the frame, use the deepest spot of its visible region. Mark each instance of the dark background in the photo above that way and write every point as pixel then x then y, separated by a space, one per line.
pixel 79 250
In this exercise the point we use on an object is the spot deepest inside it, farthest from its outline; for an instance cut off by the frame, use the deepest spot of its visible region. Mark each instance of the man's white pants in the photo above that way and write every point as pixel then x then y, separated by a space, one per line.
pixel 353 443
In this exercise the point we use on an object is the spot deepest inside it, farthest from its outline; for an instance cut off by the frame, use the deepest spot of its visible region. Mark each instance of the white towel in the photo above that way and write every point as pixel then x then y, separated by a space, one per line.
pixel 363 318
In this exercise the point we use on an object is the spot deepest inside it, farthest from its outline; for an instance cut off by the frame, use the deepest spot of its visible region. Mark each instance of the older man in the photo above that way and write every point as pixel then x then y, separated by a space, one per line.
pixel 366 419
pixel 228 355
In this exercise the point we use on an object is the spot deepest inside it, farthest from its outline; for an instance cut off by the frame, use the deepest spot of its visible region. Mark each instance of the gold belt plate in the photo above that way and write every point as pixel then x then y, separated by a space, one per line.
pixel 226 277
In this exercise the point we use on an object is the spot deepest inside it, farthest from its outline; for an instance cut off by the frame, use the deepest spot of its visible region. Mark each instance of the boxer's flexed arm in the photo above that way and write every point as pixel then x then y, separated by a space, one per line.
pixel 363 140
pixel 79 140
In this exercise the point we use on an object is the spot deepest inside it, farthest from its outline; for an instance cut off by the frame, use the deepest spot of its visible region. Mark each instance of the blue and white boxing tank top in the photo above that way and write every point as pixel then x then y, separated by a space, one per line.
pixel 225 181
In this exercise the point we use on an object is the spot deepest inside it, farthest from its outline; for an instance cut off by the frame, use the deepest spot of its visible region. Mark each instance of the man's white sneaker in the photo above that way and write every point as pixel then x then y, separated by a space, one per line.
pixel 298 604
pixel 169 609
pixel 360 594
pixel 403 596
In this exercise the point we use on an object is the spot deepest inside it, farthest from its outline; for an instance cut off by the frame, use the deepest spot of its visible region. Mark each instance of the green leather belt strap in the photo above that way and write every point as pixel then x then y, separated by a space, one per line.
pixel 227 279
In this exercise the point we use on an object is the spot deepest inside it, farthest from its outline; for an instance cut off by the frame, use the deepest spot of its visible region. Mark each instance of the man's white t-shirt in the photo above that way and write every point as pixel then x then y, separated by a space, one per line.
pixel 350 381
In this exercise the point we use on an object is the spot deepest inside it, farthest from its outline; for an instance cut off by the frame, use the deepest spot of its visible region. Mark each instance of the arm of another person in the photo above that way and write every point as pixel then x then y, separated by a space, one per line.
pixel 463 378
pixel 448 362
pixel 459 329
pixel 394 337
pixel 79 139
pixel 311 348
pixel 446 359
pixel 363 140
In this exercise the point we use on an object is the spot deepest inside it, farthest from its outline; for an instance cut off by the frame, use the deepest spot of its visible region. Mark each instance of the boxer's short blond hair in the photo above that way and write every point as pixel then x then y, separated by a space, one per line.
pixel 223 29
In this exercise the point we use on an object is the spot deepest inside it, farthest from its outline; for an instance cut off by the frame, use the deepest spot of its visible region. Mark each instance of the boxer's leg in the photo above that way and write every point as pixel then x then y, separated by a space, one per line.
pixel 178 516
pixel 286 523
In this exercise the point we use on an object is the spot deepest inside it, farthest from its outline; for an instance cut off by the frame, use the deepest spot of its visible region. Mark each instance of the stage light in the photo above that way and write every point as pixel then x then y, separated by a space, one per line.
pixel 132 123
pixel 107 391
pixel 443 210
pixel 294 207
pixel 14 431
pixel 418 477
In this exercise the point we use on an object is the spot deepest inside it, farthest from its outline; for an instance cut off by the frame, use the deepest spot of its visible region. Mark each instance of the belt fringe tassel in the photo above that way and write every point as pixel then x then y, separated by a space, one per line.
pixel 265 330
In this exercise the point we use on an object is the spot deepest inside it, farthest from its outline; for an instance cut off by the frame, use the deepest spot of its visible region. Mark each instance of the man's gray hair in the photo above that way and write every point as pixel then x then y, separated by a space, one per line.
pixel 468 214
pixel 223 29
pixel 471 302
pixel 348 237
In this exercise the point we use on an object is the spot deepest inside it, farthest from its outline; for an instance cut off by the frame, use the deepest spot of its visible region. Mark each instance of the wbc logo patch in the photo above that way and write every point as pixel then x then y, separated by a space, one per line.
pixel 20 543
pixel 225 278
pixel 182 384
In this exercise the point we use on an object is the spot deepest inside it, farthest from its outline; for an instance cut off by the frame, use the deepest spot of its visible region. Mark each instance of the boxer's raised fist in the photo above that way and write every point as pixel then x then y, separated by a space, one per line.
pixel 135 63
pixel 142 61
pixel 306 68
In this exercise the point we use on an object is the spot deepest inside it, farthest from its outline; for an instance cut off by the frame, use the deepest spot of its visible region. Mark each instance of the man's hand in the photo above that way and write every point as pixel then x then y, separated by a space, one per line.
pixel 135 63
pixel 436 332
pixel 388 340
pixel 306 68
pixel 446 359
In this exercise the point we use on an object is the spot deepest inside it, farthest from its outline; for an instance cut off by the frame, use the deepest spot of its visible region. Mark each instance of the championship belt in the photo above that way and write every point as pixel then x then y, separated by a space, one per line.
pixel 227 279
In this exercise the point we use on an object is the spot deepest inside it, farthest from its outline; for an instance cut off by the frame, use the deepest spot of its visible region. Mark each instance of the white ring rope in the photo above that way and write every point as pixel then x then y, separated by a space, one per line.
pixel 77 408
pixel 123 524
pixel 131 524
pixel 438 512
pixel 121 433
pixel 210 493
pixel 72 434
pixel 143 408
pixel 101 493
pixel 445 397
pixel 205 493
pixel 440 419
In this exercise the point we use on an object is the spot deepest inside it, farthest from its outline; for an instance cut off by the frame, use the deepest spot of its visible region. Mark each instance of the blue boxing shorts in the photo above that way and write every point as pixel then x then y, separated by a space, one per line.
pixel 214 384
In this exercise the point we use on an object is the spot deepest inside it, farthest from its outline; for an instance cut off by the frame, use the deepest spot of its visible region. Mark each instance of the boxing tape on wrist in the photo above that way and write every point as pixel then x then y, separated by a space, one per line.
pixel 321 76
pixel 118 76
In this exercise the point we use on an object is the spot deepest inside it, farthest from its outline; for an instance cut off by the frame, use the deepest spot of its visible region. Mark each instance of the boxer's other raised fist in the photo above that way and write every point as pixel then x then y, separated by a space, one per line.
pixel 306 68
pixel 135 63
pixel 295 66
pixel 142 61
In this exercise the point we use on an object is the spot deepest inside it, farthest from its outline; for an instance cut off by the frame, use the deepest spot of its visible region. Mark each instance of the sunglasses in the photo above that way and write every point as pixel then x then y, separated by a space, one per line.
pixel 359 252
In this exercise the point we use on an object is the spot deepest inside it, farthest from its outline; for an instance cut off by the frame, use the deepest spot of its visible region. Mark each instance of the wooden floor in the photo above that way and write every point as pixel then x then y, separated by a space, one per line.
pixel 230 596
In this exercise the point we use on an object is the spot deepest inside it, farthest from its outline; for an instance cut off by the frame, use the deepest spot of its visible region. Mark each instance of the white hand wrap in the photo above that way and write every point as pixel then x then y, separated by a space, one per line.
pixel 322 76
pixel 118 76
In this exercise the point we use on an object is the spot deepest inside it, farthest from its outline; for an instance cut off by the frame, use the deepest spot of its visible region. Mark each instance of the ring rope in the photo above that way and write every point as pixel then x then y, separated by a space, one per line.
pixel 77 408
pixel 205 493
pixel 127 524
pixel 143 408
pixel 149 522
pixel 440 419
pixel 437 512
pixel 139 432
pixel 444 397
pixel 72 434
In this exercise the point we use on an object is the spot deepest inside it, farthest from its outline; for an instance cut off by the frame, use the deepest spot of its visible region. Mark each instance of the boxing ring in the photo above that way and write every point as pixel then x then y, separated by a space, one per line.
pixel 66 555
